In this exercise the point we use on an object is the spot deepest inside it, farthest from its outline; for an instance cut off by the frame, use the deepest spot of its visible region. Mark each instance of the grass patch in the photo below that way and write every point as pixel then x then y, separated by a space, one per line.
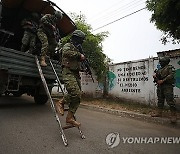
pixel 123 105
pixel 118 105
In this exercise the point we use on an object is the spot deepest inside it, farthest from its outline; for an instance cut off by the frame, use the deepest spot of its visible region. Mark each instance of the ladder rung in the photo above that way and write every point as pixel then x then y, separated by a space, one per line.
pixel 68 126
pixel 66 109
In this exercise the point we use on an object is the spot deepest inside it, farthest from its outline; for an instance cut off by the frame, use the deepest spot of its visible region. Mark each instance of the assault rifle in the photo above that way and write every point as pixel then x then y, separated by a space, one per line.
pixel 158 76
pixel 85 63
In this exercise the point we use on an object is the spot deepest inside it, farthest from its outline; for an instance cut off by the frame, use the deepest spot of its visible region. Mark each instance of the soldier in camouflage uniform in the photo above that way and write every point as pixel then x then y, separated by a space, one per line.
pixel 71 60
pixel 30 26
pixel 46 33
pixel 165 80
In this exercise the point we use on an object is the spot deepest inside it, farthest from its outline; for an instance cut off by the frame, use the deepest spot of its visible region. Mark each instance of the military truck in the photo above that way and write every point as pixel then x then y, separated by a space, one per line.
pixel 19 73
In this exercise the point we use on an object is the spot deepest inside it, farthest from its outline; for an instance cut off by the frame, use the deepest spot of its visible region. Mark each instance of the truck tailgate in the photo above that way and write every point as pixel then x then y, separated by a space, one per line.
pixel 20 63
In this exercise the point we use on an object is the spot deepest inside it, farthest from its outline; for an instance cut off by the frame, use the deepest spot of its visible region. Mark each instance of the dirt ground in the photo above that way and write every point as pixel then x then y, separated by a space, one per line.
pixel 126 106
pixel 109 103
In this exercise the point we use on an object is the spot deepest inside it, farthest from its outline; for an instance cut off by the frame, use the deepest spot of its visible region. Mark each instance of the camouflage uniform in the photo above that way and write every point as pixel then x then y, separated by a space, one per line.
pixel 165 80
pixel 165 90
pixel 30 27
pixel 71 62
pixel 46 34
pixel 71 67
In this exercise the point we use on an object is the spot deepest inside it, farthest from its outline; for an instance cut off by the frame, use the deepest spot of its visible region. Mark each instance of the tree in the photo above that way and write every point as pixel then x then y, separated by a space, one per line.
pixel 92 46
pixel 166 16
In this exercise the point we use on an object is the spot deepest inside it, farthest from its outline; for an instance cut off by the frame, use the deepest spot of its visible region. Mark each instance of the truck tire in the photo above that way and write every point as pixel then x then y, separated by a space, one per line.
pixel 40 99
pixel 16 94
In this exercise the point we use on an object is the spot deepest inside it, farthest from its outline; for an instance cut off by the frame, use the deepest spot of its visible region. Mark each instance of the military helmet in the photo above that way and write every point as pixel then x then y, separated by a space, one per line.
pixel 79 33
pixel 164 59
pixel 58 15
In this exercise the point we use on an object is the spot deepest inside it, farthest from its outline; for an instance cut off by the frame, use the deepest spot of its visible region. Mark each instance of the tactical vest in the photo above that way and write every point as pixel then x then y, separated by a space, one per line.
pixel 167 73
pixel 46 23
pixel 71 57
pixel 30 25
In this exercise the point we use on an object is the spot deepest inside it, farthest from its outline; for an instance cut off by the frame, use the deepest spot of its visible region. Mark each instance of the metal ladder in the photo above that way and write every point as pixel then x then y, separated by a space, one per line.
pixel 62 128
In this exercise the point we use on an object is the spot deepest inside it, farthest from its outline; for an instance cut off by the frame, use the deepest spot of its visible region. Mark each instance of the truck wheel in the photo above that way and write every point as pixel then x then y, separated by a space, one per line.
pixel 17 94
pixel 6 93
pixel 40 99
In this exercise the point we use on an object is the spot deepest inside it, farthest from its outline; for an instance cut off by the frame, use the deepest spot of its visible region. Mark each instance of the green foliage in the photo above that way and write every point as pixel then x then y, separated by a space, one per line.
pixel 92 46
pixel 166 16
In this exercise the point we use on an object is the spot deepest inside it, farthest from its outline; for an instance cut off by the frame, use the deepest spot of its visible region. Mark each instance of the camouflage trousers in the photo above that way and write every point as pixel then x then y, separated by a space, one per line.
pixel 48 43
pixel 165 92
pixel 28 40
pixel 73 86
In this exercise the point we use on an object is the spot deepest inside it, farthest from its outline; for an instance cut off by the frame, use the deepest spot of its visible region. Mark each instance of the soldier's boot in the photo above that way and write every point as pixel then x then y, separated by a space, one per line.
pixel 43 61
pixel 157 113
pixel 173 117
pixel 70 119
pixel 60 107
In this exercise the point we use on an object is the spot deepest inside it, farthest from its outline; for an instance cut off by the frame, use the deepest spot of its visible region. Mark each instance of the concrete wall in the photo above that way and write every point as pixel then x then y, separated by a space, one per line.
pixel 133 81
pixel 89 87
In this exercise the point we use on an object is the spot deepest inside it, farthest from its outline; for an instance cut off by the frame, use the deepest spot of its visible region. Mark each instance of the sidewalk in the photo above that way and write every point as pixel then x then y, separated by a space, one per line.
pixel 130 114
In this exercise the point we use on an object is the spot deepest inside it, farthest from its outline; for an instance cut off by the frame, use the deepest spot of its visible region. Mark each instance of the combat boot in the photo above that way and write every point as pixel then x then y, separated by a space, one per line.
pixel 70 119
pixel 43 61
pixel 60 107
pixel 173 117
pixel 157 113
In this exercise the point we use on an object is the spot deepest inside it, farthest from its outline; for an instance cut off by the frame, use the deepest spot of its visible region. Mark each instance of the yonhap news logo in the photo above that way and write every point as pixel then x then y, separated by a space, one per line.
pixel 113 140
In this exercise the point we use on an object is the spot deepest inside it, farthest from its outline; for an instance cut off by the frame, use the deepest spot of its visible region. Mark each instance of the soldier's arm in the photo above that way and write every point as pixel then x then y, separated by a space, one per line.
pixel 170 75
pixel 45 21
pixel 26 22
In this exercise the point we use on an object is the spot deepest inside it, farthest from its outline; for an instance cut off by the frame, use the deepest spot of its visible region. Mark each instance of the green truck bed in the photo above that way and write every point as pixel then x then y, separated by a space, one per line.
pixel 19 63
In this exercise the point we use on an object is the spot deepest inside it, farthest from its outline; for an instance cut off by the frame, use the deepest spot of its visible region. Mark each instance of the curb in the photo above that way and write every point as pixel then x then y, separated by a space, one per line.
pixel 134 115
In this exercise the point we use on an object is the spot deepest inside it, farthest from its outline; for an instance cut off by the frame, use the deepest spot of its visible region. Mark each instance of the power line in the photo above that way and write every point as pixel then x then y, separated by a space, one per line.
pixel 105 10
pixel 119 19
pixel 117 13
pixel 109 14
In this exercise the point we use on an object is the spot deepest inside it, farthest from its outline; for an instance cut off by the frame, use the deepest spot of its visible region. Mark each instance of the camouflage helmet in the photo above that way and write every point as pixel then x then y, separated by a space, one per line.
pixel 58 15
pixel 164 59
pixel 79 33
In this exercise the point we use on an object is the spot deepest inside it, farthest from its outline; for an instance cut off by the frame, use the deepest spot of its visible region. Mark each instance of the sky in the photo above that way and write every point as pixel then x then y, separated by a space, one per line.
pixel 131 38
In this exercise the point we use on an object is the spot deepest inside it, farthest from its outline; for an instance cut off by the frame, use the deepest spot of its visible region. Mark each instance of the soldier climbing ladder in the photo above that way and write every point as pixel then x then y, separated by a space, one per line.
pixel 52 103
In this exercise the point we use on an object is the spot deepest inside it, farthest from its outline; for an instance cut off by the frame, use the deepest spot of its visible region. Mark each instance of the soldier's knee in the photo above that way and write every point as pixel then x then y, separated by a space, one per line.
pixel 76 96
pixel 171 103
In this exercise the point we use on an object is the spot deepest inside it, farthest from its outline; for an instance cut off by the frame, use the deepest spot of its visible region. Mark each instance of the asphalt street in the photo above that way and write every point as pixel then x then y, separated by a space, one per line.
pixel 27 128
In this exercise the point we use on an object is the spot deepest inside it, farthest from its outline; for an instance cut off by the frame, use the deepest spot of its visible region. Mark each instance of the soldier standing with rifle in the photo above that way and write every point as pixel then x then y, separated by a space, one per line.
pixel 71 63
pixel 164 78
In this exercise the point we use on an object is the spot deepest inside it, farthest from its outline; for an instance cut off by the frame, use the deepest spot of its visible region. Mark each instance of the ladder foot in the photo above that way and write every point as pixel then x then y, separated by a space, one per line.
pixel 64 140
pixel 83 137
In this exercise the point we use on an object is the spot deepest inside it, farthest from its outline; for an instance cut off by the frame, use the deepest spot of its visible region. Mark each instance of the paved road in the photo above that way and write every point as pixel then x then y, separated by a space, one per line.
pixel 26 128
